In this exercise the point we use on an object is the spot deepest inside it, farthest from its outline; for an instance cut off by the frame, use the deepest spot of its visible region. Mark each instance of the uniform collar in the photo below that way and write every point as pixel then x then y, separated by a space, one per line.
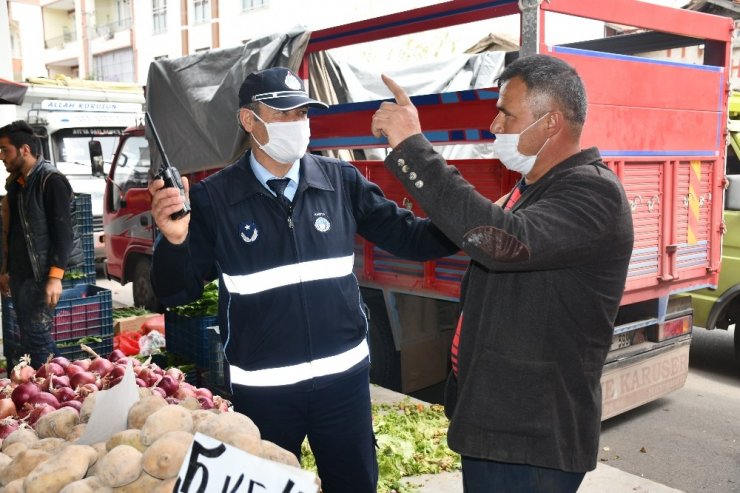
pixel 311 176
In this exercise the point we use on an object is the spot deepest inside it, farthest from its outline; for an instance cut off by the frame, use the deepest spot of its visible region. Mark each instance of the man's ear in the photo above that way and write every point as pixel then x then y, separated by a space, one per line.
pixel 554 122
pixel 247 119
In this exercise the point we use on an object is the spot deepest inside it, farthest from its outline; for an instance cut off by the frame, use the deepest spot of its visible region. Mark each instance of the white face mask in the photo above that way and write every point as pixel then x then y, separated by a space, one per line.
pixel 506 147
pixel 288 141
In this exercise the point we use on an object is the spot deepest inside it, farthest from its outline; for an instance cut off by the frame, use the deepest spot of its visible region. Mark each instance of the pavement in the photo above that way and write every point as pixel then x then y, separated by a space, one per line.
pixel 603 479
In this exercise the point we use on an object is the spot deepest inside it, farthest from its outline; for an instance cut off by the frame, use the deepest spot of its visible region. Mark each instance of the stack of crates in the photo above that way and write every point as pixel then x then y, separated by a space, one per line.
pixel 197 340
pixel 83 313
pixel 83 220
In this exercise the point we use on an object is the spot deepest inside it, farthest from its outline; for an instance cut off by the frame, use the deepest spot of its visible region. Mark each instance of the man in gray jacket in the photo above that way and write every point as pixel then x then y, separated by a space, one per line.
pixel 548 267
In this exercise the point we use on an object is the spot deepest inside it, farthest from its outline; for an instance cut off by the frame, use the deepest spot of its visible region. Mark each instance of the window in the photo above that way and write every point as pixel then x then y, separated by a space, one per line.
pixel 116 66
pixel 201 10
pixel 159 16
pixel 132 170
pixel 254 4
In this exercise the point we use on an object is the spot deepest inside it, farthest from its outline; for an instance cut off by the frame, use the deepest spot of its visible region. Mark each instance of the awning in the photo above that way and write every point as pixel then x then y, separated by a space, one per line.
pixel 12 92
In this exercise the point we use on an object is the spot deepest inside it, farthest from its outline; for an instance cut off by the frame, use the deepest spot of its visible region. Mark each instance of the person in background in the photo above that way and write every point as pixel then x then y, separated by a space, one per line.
pixel 278 228
pixel 38 225
pixel 548 267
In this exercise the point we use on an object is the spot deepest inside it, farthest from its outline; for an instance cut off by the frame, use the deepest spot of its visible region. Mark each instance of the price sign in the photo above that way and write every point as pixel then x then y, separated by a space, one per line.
pixel 212 466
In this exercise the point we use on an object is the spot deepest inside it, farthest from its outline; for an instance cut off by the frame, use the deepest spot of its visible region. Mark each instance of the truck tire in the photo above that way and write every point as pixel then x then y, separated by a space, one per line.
pixel 737 345
pixel 385 361
pixel 142 289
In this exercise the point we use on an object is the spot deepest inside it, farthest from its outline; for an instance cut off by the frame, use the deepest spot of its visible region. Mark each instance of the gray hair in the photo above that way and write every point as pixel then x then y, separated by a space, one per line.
pixel 547 77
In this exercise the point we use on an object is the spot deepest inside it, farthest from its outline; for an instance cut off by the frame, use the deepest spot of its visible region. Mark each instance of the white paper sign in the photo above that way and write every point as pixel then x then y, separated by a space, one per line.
pixel 212 466
pixel 110 412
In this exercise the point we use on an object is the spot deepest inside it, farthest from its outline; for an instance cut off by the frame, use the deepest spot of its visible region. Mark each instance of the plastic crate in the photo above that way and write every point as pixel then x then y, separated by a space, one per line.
pixel 191 337
pixel 83 219
pixel 82 213
pixel 84 310
pixel 70 349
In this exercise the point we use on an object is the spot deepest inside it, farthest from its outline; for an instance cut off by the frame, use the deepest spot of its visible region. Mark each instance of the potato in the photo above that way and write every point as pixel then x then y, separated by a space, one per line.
pixel 167 418
pixel 128 437
pixel 15 486
pixel 144 484
pixel 166 486
pixel 228 423
pixel 51 445
pixel 90 484
pixel 4 460
pixel 52 475
pixel 143 408
pixel 22 464
pixel 201 417
pixel 239 421
pixel 274 452
pixel 25 435
pixel 164 457
pixel 244 441
pixel 76 432
pixel 120 466
pixel 87 407
pixel 57 424
pixel 15 448
pixel 190 403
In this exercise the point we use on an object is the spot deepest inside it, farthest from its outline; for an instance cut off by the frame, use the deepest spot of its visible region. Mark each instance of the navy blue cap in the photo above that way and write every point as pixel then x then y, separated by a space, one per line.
pixel 278 88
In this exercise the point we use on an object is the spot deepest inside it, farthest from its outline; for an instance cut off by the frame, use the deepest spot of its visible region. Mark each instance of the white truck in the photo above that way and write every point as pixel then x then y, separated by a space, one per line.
pixel 78 121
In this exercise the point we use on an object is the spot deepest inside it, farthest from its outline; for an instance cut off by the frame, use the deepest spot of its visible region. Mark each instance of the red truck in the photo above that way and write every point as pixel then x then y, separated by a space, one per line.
pixel 660 125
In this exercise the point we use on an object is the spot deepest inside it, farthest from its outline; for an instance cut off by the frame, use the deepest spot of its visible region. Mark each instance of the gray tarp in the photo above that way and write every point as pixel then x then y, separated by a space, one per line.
pixel 193 100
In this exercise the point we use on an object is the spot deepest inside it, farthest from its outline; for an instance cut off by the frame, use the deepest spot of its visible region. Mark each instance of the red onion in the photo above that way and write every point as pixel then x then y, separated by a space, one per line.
pixel 7 408
pixel 74 369
pixel 101 366
pixel 83 363
pixel 116 372
pixel 205 402
pixel 113 382
pixel 22 373
pixel 177 373
pixel 61 361
pixel 7 426
pixel 169 384
pixel 44 398
pixel 203 392
pixel 64 394
pixel 4 382
pixel 81 379
pixel 77 405
pixel 38 411
pixel 49 368
pixel 140 382
pixel 62 381
pixel 183 392
pixel 23 392
pixel 159 390
pixel 116 354
pixel 86 389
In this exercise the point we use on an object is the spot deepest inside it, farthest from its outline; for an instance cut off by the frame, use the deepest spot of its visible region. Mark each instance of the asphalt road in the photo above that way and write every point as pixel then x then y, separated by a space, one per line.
pixel 689 439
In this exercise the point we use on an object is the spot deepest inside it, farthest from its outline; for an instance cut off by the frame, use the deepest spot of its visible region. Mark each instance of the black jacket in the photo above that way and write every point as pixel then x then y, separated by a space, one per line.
pixel 288 296
pixel 541 296
pixel 42 229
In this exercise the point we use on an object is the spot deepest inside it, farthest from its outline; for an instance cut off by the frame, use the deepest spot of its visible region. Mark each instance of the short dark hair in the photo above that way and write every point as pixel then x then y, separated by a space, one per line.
pixel 551 77
pixel 20 133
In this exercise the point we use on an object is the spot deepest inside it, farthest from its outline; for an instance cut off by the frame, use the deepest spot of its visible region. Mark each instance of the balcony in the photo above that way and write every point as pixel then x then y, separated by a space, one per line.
pixel 60 41
pixel 109 30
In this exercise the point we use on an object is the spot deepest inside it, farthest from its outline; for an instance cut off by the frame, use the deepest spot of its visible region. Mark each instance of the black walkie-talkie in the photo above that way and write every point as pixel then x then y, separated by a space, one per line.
pixel 167 172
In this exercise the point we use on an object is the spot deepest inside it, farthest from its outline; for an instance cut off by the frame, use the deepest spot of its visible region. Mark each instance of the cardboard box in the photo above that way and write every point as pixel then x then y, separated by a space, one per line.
pixel 131 324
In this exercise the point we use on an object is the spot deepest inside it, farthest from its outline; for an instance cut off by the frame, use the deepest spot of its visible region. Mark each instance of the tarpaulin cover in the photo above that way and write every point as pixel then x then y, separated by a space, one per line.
pixel 12 92
pixel 193 100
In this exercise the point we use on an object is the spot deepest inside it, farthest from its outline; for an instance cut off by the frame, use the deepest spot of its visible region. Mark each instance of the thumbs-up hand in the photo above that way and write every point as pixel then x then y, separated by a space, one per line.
pixel 396 121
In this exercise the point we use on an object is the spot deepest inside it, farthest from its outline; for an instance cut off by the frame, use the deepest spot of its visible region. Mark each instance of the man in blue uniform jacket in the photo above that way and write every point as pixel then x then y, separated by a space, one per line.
pixel 278 227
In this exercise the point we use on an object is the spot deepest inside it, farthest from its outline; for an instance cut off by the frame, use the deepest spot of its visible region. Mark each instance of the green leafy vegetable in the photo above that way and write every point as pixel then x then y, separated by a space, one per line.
pixel 205 306
pixel 412 440
pixel 129 311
